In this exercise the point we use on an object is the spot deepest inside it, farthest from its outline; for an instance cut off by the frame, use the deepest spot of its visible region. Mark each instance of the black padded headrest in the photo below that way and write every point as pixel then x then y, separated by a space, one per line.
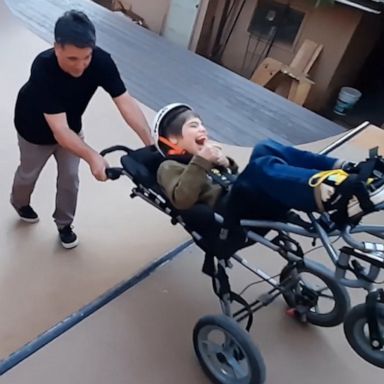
pixel 150 157
pixel 142 164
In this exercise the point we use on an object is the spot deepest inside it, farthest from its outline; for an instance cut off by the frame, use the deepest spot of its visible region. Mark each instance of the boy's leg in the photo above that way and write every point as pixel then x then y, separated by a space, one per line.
pixel 294 156
pixel 33 157
pixel 67 186
pixel 311 190
pixel 284 183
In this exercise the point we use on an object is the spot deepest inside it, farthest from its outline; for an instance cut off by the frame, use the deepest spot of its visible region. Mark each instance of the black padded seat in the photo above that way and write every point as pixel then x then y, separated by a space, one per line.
pixel 142 165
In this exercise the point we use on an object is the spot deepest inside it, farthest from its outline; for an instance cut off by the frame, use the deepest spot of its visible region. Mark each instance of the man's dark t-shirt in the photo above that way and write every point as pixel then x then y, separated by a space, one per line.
pixel 50 90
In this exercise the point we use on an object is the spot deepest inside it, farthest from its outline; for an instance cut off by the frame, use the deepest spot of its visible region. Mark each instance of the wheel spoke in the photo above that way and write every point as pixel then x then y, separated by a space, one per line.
pixel 304 284
pixel 212 348
pixel 235 366
pixel 329 297
pixel 321 290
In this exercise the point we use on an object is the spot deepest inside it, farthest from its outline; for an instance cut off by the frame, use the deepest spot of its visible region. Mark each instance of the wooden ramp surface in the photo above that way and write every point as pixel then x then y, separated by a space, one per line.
pixel 41 283
pixel 144 336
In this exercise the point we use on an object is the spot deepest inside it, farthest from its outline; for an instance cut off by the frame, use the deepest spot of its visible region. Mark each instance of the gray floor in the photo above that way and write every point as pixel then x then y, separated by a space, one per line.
pixel 158 72
pixel 145 336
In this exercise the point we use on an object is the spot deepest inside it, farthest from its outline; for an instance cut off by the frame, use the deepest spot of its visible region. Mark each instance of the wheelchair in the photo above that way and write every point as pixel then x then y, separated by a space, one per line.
pixel 222 344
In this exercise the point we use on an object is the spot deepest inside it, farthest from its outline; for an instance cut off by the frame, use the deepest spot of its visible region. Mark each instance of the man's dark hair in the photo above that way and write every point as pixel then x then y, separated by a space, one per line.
pixel 75 28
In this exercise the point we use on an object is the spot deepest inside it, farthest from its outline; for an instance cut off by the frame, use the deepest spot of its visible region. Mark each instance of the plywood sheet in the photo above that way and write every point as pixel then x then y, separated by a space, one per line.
pixel 145 335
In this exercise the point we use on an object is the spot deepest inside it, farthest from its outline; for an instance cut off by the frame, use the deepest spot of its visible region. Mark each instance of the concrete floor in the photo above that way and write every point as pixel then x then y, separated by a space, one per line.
pixel 143 336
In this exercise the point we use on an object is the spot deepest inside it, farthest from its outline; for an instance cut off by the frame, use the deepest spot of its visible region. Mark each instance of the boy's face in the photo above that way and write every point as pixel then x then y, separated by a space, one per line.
pixel 73 60
pixel 193 136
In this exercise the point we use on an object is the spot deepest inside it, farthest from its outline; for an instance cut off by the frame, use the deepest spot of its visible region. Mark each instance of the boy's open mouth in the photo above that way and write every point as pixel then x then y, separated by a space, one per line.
pixel 200 140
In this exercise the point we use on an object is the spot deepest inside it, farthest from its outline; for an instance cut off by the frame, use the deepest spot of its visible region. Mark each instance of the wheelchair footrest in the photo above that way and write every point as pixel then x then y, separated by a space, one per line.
pixel 372 258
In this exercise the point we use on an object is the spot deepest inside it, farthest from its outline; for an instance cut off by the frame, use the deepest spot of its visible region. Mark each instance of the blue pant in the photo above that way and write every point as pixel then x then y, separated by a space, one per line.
pixel 277 176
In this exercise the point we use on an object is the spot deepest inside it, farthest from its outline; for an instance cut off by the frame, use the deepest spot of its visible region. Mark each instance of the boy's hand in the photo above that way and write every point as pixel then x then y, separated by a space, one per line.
pixel 223 161
pixel 212 152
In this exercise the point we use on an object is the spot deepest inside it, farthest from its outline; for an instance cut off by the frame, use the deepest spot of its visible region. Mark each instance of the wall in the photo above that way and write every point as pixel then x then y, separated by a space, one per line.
pixel 347 37
pixel 235 51
pixel 210 27
pixel 152 11
pixel 333 26
pixel 199 24
pixel 362 43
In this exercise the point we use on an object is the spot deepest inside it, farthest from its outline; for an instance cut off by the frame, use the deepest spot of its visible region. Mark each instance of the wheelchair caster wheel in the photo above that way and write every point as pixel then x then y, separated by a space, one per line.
pixel 226 352
pixel 357 333
pixel 324 301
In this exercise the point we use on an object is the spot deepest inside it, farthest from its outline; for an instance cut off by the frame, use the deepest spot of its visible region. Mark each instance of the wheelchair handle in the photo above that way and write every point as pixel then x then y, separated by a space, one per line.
pixel 116 148
pixel 113 173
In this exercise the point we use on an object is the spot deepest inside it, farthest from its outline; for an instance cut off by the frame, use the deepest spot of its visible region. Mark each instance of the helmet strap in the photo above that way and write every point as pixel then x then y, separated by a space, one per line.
pixel 173 148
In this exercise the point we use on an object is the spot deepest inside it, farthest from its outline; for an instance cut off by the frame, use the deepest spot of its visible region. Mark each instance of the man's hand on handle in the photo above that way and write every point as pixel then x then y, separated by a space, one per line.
pixel 98 164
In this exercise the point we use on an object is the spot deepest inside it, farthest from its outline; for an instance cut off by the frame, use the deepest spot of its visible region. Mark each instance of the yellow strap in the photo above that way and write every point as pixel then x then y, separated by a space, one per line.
pixel 318 178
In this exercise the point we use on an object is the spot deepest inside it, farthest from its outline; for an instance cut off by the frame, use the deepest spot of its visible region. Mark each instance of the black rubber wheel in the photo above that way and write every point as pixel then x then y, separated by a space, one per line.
pixel 226 352
pixel 303 293
pixel 357 333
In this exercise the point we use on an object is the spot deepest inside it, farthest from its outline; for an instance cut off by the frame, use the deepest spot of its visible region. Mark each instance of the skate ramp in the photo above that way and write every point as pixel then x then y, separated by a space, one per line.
pixel 145 335
pixel 41 283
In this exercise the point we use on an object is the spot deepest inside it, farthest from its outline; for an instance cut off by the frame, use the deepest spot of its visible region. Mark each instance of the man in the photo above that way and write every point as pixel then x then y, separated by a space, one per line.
pixel 48 115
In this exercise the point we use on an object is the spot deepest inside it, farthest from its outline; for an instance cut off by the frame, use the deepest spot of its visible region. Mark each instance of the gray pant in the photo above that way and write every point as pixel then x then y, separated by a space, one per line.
pixel 33 157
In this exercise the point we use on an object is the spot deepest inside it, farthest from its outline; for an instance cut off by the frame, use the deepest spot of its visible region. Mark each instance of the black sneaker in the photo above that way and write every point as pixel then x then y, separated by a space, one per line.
pixel 68 238
pixel 27 214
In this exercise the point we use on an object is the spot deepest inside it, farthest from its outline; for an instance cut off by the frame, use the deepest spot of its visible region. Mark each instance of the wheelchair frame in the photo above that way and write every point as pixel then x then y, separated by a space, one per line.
pixel 346 260
pixel 371 252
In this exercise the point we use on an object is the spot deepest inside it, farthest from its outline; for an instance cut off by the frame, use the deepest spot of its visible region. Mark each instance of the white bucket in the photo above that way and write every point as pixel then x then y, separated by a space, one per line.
pixel 346 100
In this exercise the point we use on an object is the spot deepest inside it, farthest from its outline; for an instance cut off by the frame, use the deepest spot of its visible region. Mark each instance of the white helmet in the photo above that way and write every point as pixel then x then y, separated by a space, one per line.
pixel 159 118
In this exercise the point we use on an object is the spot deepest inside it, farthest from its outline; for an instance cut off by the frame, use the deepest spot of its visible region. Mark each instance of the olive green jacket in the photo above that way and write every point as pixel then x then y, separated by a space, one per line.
pixel 188 184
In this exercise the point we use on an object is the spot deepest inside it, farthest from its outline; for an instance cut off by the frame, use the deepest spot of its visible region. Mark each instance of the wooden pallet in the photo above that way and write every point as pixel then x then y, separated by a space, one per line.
pixel 272 73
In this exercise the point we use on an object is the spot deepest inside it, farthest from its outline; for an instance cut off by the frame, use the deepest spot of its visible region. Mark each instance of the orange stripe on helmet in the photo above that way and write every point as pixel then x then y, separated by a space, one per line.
pixel 173 148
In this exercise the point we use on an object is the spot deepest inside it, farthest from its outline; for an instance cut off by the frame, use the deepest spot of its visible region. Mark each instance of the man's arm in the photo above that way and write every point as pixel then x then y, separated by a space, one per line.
pixel 134 116
pixel 71 141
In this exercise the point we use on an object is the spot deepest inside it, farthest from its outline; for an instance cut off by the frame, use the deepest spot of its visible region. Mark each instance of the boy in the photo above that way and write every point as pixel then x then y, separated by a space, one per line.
pixel 276 179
